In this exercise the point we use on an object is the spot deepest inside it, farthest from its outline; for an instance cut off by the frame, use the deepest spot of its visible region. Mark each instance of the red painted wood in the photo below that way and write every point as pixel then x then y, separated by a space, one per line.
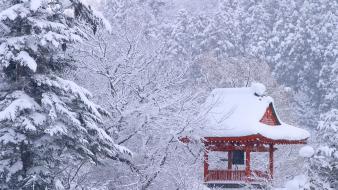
pixel 270 117
pixel 250 143
pixel 226 148
pixel 247 163
pixel 271 160
pixel 229 160
pixel 206 164
pixel 250 138
pixel 223 175
pixel 236 175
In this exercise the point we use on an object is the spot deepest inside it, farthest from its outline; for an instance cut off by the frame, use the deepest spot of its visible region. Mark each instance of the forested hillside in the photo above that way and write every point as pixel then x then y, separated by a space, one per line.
pixel 95 94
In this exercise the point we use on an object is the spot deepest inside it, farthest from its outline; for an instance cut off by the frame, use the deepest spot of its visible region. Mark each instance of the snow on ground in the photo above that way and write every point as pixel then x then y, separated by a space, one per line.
pixel 299 182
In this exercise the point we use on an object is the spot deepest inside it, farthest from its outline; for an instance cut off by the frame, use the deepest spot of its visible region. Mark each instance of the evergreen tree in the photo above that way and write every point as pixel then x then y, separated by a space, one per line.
pixel 323 166
pixel 300 45
pixel 323 169
pixel 46 121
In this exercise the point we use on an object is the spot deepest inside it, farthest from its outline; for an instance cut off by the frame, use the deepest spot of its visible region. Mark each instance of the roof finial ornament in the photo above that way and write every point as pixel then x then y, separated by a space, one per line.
pixel 258 89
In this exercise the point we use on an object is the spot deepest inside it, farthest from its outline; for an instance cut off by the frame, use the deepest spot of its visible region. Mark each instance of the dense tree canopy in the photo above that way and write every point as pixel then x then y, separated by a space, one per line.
pixel 149 70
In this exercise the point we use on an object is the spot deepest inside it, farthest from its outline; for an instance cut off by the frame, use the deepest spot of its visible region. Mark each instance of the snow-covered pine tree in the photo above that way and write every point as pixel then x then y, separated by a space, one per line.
pixel 323 169
pixel 46 121
pixel 324 165
pixel 300 43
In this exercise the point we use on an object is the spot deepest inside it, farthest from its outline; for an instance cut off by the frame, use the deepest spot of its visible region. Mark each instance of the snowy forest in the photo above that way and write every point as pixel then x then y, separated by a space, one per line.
pixel 97 94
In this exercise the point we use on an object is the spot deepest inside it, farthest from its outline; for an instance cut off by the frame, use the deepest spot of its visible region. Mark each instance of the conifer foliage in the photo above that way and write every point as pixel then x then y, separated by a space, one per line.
pixel 46 121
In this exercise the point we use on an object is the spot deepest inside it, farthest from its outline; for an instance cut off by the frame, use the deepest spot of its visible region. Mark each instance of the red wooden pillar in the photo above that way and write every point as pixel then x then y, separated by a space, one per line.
pixel 271 160
pixel 206 164
pixel 229 160
pixel 247 163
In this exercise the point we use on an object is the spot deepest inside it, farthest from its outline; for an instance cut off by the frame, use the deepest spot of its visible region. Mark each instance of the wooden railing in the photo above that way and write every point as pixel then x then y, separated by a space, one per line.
pixel 221 175
pixel 235 175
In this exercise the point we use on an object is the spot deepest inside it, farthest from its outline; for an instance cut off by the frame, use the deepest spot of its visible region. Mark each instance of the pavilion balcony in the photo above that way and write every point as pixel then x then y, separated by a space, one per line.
pixel 236 176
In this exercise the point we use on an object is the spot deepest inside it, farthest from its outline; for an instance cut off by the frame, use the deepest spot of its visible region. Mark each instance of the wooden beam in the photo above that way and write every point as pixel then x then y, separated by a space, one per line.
pixel 220 147
pixel 250 138
pixel 230 160
pixel 271 160
pixel 206 165
pixel 247 163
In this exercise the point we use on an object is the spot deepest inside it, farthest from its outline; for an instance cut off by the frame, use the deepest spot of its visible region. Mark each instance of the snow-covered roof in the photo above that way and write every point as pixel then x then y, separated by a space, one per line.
pixel 234 112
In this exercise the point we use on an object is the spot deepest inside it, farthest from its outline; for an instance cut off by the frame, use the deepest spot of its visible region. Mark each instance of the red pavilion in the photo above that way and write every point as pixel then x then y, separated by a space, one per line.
pixel 239 122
